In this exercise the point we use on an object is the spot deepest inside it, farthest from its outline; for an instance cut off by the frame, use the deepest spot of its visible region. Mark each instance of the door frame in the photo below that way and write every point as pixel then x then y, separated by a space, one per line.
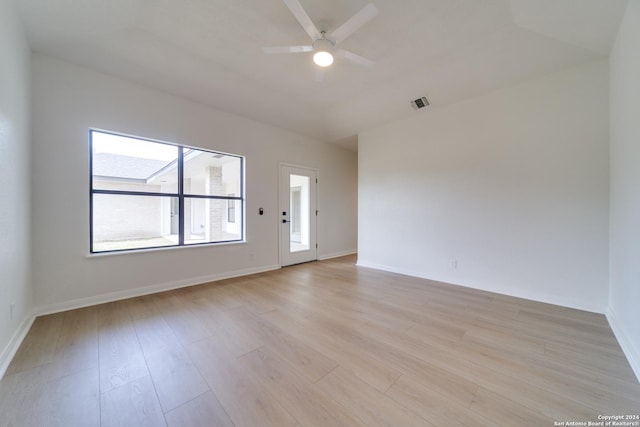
pixel 281 243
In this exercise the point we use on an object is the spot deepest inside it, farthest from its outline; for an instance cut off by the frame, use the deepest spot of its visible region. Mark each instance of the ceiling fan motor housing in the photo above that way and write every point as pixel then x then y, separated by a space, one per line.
pixel 323 45
pixel 323 55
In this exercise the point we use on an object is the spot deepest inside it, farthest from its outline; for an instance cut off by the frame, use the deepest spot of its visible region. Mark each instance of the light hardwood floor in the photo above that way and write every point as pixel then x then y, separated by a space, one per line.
pixel 319 344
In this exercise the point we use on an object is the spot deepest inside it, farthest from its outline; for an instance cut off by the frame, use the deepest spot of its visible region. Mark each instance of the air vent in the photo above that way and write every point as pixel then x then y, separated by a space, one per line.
pixel 419 103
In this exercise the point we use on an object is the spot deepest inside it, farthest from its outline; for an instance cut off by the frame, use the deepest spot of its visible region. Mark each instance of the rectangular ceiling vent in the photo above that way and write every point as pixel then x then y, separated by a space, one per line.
pixel 419 103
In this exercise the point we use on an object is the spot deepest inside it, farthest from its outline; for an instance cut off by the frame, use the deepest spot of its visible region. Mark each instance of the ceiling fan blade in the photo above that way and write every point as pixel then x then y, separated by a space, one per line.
pixel 287 49
pixel 352 57
pixel 301 15
pixel 365 15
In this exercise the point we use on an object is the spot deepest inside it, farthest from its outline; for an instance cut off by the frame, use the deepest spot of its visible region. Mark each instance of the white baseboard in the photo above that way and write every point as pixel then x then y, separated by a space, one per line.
pixel 336 255
pixel 146 290
pixel 532 296
pixel 630 350
pixel 14 343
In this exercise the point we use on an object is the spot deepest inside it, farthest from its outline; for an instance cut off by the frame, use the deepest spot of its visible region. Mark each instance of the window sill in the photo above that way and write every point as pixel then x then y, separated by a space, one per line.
pixel 162 249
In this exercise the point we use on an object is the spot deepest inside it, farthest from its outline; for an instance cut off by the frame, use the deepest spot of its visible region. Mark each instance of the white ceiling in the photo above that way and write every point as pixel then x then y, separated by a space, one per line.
pixel 211 51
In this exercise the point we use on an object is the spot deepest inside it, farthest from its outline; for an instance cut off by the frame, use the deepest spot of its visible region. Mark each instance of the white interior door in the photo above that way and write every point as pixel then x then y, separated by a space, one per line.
pixel 298 214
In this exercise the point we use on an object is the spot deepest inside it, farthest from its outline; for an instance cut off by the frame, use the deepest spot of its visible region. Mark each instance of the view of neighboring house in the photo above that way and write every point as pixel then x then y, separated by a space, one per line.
pixel 141 205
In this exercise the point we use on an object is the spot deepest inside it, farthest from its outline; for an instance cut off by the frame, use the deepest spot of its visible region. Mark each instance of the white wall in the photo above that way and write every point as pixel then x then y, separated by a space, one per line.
pixel 68 100
pixel 624 277
pixel 513 185
pixel 15 229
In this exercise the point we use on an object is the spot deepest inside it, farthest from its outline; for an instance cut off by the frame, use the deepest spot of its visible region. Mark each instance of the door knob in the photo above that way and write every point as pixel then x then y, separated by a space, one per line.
pixel 284 221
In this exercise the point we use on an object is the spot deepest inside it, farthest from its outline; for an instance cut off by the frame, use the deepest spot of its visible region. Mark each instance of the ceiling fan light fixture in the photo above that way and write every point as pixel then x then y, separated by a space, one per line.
pixel 324 45
pixel 322 55
pixel 323 58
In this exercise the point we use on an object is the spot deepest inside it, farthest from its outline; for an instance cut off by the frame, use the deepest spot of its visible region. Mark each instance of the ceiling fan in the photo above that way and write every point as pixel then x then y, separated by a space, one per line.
pixel 324 45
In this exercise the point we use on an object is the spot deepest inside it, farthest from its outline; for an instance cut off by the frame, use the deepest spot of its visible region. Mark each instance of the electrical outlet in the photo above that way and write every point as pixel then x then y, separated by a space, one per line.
pixel 454 264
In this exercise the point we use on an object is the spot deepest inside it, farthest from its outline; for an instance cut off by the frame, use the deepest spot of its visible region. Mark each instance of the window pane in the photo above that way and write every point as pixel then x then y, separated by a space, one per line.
pixel 127 164
pixel 208 220
pixel 211 174
pixel 134 222
pixel 300 205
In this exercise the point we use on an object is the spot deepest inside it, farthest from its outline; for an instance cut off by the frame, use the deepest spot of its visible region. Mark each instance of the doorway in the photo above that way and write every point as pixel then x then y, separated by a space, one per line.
pixel 298 214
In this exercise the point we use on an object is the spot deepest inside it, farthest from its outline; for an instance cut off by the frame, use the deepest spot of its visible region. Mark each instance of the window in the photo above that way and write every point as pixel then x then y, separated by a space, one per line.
pixel 147 194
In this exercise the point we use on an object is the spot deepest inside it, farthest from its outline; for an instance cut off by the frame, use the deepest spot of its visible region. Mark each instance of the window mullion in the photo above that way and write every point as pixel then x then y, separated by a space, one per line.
pixel 180 196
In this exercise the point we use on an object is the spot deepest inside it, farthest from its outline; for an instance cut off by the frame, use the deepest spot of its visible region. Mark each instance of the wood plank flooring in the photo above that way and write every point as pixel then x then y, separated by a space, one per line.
pixel 319 344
